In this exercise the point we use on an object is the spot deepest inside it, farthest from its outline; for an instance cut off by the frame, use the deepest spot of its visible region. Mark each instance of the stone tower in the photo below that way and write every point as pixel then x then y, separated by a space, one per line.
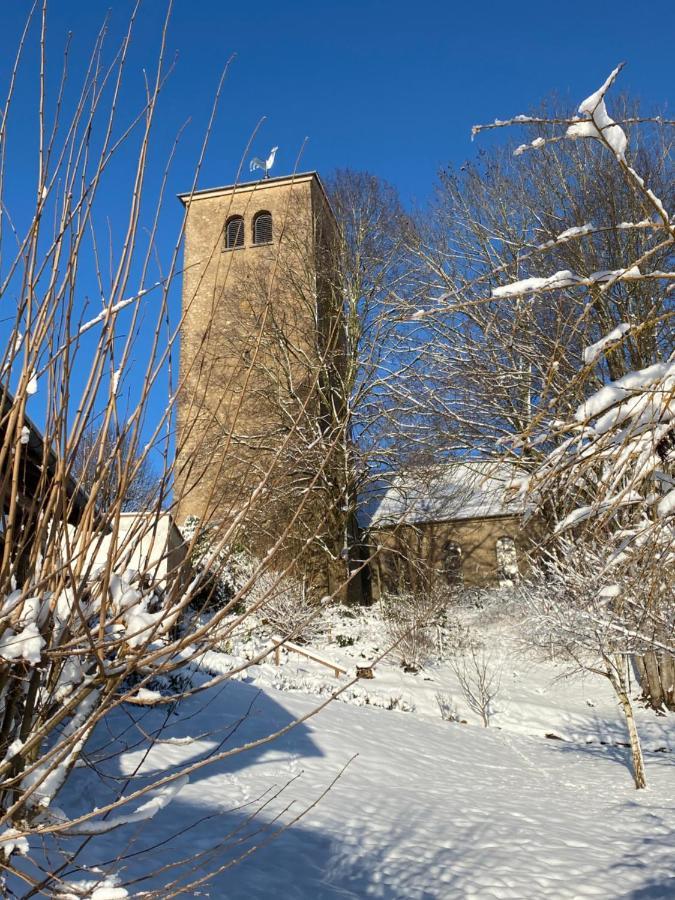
pixel 259 406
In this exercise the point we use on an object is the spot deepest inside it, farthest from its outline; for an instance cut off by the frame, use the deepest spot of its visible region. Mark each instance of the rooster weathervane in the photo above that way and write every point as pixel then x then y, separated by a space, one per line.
pixel 264 164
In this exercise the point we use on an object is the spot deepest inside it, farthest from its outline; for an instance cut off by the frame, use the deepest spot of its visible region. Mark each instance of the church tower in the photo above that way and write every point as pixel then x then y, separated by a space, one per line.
pixel 260 402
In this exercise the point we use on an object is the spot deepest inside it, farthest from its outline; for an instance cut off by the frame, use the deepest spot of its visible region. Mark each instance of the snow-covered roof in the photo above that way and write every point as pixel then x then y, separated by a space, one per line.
pixel 464 490
pixel 149 542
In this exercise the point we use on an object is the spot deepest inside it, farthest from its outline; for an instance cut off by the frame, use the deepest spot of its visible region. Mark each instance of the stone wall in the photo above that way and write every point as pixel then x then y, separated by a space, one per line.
pixel 260 343
pixel 424 556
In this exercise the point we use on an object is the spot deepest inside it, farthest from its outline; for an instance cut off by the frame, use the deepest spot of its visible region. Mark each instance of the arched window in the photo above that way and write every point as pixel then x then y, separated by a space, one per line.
pixel 234 233
pixel 262 228
pixel 507 561
pixel 452 563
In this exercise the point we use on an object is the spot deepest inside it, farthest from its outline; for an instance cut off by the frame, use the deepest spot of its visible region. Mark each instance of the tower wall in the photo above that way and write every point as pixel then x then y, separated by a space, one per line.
pixel 260 371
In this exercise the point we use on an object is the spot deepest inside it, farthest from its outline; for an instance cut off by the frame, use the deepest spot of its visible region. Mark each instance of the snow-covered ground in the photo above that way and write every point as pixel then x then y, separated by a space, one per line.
pixel 534 698
pixel 426 808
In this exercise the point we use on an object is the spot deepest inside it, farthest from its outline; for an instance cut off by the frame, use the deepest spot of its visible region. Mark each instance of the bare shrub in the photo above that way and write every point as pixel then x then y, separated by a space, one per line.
pixel 82 635
pixel 287 606
pixel 414 622
pixel 479 673
pixel 447 707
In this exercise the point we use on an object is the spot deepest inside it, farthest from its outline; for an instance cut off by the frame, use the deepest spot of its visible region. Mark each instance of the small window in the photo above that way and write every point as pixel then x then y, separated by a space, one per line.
pixel 234 233
pixel 262 228
pixel 507 561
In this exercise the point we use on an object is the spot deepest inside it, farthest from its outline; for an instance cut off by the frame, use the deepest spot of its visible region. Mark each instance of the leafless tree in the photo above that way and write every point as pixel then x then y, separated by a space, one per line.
pixel 413 622
pixel 606 473
pixel 142 490
pixel 480 677
pixel 492 368
pixel 82 636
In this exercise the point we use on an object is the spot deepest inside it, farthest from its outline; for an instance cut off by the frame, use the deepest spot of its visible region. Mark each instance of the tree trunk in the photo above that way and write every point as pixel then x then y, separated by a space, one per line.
pixel 617 675
pixel 656 674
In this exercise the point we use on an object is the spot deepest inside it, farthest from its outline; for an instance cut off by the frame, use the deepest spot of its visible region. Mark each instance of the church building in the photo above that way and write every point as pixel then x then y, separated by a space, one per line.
pixel 261 438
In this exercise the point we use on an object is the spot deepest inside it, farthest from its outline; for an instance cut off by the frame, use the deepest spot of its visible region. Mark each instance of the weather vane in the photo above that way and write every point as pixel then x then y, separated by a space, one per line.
pixel 264 164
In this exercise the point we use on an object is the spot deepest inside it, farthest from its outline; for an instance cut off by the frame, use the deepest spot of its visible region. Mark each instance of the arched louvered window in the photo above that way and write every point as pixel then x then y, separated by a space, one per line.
pixel 262 228
pixel 234 233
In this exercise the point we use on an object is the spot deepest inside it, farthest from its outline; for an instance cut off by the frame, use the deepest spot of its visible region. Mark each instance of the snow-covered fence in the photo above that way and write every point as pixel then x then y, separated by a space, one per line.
pixel 281 644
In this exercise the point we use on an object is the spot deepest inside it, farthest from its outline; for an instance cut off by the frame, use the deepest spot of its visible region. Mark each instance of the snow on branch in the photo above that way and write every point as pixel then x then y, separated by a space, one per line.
pixel 595 351
pixel 597 122
pixel 564 279
pixel 145 811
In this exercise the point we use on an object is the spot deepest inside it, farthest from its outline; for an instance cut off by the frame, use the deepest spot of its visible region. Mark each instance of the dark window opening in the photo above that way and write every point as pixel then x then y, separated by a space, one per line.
pixel 262 228
pixel 234 233
pixel 452 563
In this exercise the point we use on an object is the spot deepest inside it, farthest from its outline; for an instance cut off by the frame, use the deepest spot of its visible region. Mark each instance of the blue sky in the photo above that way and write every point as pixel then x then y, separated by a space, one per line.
pixel 392 88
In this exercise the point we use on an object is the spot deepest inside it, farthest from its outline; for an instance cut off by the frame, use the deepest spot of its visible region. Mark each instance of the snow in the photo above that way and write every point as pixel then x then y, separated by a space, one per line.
pixel 564 279
pixel 561 279
pixel 109 893
pixel 13 749
pixel 461 490
pixel 115 380
pixel 48 777
pixel 144 695
pixel 425 808
pixel 533 145
pixel 582 513
pixel 27 643
pixel 11 841
pixel 574 231
pixel 70 676
pixel 596 350
pixel 598 123
pixel 623 388
pixel 92 890
pixel 567 235
pixel 643 223
pixel 145 811
pixel 109 311
pixel 150 543
pixel 666 506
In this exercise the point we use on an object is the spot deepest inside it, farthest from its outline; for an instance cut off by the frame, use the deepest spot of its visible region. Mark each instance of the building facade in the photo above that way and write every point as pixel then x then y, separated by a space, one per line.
pixel 259 403
pixel 449 526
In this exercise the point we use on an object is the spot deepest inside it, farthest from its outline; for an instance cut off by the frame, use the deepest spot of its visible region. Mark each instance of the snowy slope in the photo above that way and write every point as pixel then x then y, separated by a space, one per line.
pixel 427 809
pixel 535 697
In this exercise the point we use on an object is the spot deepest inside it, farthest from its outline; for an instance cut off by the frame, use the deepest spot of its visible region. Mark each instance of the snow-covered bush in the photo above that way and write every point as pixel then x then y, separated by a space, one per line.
pixel 572 611
pixel 287 606
pixel 447 707
pixel 222 571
